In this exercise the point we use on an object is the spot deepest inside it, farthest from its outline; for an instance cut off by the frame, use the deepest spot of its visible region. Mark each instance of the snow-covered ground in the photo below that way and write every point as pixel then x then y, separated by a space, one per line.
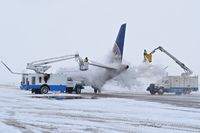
pixel 19 112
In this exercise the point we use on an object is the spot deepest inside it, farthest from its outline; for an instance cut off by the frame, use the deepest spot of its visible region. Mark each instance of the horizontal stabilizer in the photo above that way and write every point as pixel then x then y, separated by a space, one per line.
pixel 102 65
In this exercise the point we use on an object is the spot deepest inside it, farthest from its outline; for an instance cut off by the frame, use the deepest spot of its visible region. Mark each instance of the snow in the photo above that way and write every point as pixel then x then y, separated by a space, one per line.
pixel 7 129
pixel 21 113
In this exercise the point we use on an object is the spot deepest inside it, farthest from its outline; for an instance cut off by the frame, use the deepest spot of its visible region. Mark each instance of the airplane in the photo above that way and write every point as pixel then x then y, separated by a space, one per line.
pixel 110 70
pixel 114 67
pixel 115 61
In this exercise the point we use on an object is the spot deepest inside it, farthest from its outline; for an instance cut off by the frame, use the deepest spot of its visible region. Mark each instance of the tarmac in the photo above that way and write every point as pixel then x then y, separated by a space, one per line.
pixel 189 100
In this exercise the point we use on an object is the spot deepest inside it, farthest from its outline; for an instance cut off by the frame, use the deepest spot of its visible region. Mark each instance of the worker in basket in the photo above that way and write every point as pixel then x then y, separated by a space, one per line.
pixel 147 57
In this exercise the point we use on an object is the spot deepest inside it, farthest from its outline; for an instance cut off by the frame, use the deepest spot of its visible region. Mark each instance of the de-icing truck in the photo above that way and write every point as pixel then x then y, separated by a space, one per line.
pixel 41 82
pixel 184 84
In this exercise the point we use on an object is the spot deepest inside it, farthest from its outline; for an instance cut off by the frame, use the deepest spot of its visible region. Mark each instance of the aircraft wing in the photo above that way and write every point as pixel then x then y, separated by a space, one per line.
pixel 102 65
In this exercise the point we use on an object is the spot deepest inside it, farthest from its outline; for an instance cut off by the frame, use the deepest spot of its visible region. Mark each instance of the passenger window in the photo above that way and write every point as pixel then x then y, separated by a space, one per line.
pixel 40 79
pixel 33 80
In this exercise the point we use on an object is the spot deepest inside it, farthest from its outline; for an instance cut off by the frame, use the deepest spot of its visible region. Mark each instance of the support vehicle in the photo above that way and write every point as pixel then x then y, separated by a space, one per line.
pixel 184 84
pixel 41 82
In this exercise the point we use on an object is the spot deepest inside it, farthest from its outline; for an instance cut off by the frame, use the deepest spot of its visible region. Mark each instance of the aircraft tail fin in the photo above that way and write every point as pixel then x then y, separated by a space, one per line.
pixel 119 44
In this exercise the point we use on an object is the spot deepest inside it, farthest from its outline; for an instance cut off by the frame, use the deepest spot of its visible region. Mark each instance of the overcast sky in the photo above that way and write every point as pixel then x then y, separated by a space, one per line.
pixel 38 29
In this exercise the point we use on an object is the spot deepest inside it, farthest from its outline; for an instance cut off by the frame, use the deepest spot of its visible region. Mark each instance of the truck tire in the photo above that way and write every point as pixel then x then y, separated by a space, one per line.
pixel 32 91
pixel 161 91
pixel 95 91
pixel 187 91
pixel 70 90
pixel 78 90
pixel 152 92
pixel 37 91
pixel 44 89
pixel 178 93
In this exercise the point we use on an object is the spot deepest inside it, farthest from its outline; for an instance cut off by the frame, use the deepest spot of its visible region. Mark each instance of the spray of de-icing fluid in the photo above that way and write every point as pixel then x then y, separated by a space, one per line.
pixel 136 78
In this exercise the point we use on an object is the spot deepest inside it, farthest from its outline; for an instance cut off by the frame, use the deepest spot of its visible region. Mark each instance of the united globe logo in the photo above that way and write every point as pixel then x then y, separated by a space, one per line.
pixel 116 51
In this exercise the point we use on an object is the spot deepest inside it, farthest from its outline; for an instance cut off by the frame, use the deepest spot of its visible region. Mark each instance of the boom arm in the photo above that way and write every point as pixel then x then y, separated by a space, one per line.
pixel 185 68
pixel 40 66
